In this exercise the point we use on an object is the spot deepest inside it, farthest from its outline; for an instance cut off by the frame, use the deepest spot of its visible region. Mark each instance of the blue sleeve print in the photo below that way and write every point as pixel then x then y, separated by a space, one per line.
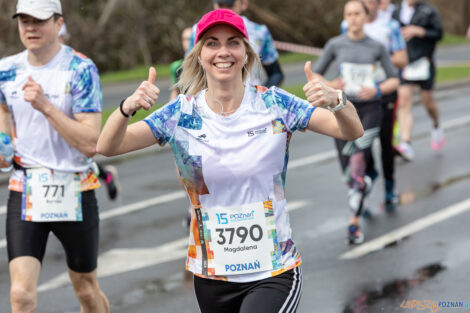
pixel 268 53
pixel 397 42
pixel 192 39
pixel 295 111
pixel 164 121
pixel 86 89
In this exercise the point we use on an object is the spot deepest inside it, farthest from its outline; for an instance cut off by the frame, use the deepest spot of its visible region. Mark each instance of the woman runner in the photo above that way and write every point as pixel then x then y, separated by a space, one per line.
pixel 357 56
pixel 230 143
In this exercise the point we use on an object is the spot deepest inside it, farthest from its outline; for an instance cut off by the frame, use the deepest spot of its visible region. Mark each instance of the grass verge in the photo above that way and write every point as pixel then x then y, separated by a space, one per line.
pixel 444 74
pixel 163 70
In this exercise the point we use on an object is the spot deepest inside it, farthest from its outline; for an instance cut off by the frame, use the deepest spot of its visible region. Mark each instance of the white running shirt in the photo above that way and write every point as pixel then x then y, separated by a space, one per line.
pixel 70 81
pixel 234 160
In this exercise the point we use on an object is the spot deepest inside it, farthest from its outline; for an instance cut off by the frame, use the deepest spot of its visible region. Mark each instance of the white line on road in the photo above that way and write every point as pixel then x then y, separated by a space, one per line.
pixel 118 261
pixel 316 158
pixel 405 231
pixel 3 209
pixel 143 204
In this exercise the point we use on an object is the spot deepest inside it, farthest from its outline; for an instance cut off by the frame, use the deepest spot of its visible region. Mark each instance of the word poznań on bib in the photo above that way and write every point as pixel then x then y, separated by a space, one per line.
pixel 51 196
pixel 241 239
pixel 357 76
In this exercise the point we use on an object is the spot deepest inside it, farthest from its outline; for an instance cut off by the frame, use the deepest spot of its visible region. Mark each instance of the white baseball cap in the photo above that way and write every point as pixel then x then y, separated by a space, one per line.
pixel 40 9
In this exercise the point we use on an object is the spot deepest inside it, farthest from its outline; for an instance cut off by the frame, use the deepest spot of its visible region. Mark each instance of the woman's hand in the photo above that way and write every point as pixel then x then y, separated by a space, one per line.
pixel 367 93
pixel 144 97
pixel 317 92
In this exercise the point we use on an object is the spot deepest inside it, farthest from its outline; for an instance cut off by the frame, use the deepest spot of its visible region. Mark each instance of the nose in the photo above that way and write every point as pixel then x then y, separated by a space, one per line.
pixel 223 51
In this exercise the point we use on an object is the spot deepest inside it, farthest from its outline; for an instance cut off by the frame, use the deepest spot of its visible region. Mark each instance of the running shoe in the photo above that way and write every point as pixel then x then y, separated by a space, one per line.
pixel 111 182
pixel 355 235
pixel 405 150
pixel 391 197
pixel 438 140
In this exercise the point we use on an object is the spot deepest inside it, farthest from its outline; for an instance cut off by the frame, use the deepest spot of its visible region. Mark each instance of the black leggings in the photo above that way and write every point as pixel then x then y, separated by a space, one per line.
pixel 79 239
pixel 274 294
pixel 355 155
pixel 386 141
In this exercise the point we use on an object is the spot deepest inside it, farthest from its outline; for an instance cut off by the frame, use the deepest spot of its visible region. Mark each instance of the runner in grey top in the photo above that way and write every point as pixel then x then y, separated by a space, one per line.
pixel 358 57
pixel 365 51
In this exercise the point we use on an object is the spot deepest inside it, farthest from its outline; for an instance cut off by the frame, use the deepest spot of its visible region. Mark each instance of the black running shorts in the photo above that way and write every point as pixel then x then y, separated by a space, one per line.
pixel 274 294
pixel 79 239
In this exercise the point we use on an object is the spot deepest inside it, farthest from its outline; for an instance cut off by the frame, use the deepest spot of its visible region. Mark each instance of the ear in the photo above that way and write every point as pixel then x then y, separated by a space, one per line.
pixel 60 22
pixel 244 5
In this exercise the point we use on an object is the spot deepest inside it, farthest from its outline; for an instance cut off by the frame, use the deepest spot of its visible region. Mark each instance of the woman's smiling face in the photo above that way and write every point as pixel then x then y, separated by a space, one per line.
pixel 223 54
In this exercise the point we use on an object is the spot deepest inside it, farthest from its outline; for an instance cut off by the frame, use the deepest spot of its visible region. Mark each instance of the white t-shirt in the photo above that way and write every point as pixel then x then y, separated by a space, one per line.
pixel 70 81
pixel 387 14
pixel 234 160
pixel 406 13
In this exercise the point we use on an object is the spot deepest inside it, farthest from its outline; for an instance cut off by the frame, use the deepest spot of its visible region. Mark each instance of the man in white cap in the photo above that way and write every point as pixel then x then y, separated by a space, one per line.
pixel 52 98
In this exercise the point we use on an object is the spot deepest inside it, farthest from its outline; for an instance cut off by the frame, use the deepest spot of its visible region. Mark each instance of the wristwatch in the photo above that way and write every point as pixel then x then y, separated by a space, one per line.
pixel 341 101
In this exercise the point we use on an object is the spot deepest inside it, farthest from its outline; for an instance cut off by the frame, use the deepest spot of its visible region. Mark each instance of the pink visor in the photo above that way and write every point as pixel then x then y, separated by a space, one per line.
pixel 217 17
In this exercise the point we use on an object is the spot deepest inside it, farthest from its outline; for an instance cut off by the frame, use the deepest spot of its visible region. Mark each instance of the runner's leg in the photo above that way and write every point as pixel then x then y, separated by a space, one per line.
pixel 80 241
pixel 26 244
pixel 431 105
pixel 87 289
pixel 275 294
pixel 215 296
pixel 405 117
pixel 24 276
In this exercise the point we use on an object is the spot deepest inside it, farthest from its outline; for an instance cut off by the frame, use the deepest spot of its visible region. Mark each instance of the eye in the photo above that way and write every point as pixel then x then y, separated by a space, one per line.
pixel 211 43
pixel 234 42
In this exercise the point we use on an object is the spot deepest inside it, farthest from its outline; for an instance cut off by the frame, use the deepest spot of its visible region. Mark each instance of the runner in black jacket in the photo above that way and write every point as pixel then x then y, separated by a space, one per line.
pixel 422 29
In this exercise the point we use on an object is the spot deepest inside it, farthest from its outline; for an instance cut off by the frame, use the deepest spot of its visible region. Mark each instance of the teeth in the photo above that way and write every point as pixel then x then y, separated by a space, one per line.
pixel 223 65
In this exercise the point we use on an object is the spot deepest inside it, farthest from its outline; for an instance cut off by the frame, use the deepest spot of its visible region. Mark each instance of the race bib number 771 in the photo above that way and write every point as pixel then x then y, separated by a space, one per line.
pixel 51 196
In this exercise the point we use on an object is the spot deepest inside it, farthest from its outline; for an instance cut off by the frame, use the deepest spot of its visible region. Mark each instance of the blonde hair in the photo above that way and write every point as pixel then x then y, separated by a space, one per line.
pixel 192 79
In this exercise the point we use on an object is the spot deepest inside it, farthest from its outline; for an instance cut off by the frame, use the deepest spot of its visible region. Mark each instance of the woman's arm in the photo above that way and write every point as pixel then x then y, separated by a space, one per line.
pixel 117 137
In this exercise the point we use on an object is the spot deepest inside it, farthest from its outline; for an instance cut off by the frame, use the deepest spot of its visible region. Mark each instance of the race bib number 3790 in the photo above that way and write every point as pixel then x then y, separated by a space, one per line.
pixel 51 196
pixel 242 239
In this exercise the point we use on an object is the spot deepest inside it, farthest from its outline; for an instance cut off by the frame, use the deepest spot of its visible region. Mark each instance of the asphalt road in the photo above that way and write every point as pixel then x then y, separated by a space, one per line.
pixel 410 255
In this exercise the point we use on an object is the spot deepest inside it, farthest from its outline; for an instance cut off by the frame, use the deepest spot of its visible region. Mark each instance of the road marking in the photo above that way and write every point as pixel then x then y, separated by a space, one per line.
pixel 316 158
pixel 407 230
pixel 142 205
pixel 312 159
pixel 309 160
pixel 118 261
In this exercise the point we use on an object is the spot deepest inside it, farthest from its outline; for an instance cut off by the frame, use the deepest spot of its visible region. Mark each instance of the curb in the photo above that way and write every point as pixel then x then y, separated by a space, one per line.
pixel 152 149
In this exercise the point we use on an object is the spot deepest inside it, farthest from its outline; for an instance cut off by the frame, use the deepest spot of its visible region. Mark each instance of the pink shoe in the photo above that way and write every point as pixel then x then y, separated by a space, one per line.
pixel 438 139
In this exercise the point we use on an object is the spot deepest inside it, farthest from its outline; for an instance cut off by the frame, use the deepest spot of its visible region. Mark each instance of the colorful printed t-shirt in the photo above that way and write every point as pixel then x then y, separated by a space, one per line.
pixel 262 43
pixel 234 160
pixel 70 81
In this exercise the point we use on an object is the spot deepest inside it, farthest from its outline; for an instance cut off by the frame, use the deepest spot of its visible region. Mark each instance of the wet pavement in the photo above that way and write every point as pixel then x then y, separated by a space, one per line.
pixel 429 264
